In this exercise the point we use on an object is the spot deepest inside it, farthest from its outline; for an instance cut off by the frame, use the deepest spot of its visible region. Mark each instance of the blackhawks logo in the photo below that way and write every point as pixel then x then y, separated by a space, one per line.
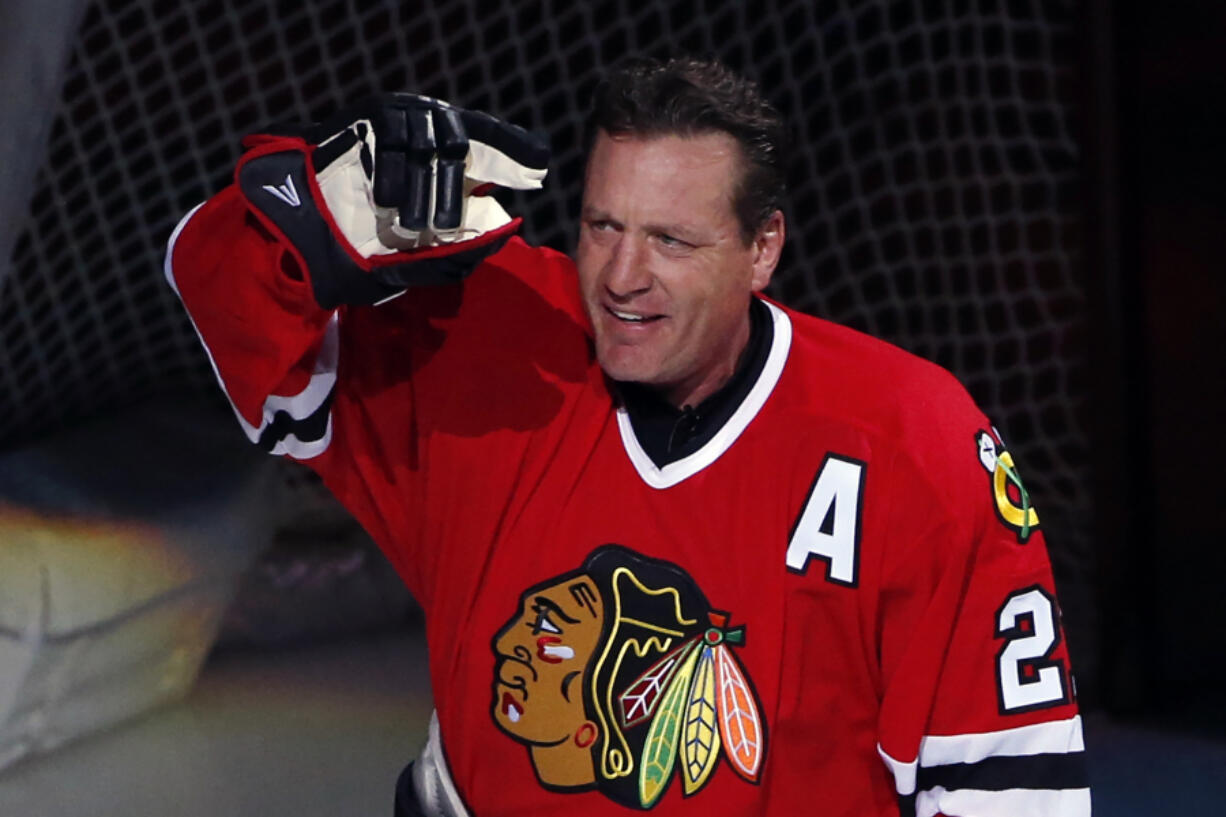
pixel 1010 495
pixel 619 676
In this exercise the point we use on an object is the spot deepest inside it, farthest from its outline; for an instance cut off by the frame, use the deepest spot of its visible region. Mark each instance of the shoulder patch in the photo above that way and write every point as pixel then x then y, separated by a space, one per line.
pixel 1009 496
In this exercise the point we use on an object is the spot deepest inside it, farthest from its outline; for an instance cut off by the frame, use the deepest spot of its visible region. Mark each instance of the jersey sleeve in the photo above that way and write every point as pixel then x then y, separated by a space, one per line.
pixel 288 367
pixel 978 716
pixel 274 351
pixel 397 406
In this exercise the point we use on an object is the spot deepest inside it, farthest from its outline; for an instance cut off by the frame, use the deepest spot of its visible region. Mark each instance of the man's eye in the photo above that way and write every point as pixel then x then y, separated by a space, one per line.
pixel 671 241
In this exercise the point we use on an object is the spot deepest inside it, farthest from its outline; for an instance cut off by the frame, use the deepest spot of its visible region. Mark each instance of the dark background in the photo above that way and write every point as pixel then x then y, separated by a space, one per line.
pixel 1159 478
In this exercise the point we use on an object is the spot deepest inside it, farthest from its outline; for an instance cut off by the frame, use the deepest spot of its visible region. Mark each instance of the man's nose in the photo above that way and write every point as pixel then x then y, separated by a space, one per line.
pixel 627 272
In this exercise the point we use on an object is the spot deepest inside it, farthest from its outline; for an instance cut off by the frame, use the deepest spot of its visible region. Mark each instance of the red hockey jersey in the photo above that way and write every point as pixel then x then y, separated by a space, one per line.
pixel 840 604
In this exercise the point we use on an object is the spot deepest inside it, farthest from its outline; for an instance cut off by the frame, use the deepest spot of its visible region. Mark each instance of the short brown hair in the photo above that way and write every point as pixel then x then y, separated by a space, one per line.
pixel 687 97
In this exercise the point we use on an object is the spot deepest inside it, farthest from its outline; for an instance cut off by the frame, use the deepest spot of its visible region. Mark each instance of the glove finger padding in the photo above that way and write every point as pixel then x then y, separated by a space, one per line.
pixel 504 154
pixel 404 154
pixel 392 197
pixel 452 146
pixel 431 163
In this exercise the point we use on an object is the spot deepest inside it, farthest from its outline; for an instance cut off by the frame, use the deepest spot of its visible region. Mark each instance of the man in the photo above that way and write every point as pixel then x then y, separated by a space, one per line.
pixel 679 548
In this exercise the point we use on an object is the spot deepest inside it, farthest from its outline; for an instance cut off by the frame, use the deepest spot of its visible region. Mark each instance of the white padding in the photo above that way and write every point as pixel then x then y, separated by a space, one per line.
pixel 436 791
pixel 487 164
pixel 121 542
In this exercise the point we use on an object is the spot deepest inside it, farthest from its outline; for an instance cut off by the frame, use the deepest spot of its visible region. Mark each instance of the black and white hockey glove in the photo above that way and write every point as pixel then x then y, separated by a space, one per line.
pixel 389 194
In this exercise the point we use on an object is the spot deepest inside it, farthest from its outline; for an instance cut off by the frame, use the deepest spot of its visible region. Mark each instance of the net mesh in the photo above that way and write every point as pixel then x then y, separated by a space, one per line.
pixel 934 199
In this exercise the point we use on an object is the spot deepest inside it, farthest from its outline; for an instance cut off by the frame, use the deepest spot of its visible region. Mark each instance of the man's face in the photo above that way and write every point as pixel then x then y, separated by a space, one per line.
pixel 665 272
pixel 542 657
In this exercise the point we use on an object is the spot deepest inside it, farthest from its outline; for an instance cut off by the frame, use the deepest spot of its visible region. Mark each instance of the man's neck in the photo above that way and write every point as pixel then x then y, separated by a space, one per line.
pixel 717 376
pixel 668 432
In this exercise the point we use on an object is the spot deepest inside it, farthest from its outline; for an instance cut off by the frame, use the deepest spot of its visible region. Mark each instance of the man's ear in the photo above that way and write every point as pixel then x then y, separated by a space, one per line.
pixel 767 247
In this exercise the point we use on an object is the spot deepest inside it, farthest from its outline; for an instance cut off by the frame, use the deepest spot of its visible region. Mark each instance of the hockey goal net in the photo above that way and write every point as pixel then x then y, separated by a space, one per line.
pixel 935 182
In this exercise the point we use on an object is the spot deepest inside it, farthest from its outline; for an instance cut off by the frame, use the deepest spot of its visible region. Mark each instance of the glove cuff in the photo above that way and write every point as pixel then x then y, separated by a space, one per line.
pixel 277 179
pixel 282 193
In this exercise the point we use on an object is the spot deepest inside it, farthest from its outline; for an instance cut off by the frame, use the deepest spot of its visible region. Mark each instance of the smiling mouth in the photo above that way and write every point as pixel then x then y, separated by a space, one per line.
pixel 632 317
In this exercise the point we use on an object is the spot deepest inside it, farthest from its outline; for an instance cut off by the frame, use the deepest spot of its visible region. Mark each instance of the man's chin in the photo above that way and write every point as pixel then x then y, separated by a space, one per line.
pixel 629 366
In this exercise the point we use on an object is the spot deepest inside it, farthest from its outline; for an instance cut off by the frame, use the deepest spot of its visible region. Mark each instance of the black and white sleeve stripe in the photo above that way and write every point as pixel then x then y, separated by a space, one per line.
pixel 1029 770
pixel 298 425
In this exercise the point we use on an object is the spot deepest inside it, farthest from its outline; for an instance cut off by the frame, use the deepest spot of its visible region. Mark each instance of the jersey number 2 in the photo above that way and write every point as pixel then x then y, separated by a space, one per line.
pixel 829 524
pixel 1027 676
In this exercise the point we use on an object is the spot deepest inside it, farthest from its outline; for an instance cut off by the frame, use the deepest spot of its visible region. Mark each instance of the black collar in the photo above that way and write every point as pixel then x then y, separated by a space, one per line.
pixel 669 434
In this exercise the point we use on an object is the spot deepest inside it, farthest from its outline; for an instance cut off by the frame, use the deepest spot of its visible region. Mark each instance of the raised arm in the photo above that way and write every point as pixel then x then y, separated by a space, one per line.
pixel 284 274
pixel 385 195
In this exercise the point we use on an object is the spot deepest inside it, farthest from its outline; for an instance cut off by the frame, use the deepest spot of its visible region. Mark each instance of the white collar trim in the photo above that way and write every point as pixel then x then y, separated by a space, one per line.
pixel 675 472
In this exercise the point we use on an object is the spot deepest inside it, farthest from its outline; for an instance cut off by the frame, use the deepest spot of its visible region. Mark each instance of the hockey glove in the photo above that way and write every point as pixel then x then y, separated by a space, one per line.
pixel 389 194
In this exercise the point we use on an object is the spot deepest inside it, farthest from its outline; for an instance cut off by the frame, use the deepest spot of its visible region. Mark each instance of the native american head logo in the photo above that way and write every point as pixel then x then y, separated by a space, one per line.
pixel 619 676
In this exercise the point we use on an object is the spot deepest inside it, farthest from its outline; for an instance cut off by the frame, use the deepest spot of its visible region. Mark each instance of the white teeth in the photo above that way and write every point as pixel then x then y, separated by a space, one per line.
pixel 513 714
pixel 559 651
pixel 628 316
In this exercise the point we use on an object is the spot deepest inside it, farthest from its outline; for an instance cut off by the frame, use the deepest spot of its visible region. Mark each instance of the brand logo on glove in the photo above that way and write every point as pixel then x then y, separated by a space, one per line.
pixel 286 192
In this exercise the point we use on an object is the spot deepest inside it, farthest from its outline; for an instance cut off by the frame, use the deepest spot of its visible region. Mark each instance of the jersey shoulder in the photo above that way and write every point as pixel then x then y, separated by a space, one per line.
pixel 926 442
pixel 890 393
pixel 910 416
